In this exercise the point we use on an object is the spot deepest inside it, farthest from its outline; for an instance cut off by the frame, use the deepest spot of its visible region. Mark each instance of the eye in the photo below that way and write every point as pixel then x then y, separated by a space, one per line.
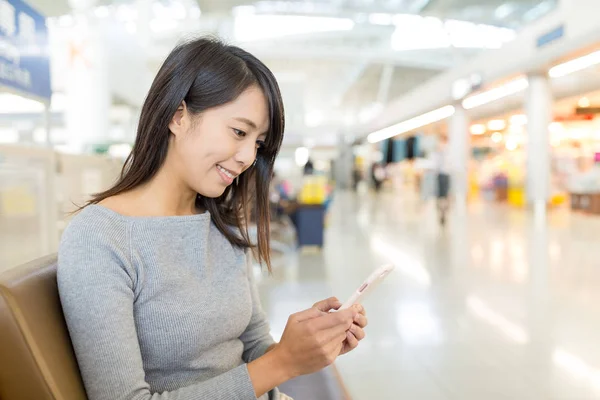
pixel 239 133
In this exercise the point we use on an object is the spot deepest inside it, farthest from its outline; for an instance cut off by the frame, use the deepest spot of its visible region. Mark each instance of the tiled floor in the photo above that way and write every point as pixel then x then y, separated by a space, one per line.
pixel 492 307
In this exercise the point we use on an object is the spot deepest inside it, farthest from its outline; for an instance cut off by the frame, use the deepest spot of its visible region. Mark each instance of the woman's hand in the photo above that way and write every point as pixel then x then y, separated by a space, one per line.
pixel 356 332
pixel 314 338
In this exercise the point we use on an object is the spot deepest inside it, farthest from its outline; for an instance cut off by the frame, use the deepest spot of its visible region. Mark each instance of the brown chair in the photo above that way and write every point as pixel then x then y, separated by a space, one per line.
pixel 36 356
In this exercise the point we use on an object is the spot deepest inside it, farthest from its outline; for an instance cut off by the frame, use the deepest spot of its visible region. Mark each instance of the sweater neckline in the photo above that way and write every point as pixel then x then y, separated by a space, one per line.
pixel 174 218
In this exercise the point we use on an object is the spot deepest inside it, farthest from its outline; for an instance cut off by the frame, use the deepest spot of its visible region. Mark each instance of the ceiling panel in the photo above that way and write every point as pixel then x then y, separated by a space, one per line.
pixel 336 72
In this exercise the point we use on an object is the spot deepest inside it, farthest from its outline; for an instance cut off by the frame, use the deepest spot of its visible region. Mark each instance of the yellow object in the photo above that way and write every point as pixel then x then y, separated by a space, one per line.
pixel 314 190
pixel 473 192
pixel 558 199
pixel 516 196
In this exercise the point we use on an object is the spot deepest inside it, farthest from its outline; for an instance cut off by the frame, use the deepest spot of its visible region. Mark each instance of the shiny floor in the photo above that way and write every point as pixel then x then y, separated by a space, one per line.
pixel 493 306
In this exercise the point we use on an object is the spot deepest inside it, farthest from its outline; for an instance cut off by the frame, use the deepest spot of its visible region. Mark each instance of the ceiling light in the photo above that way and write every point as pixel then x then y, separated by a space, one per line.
pixel 258 27
pixel 13 104
pixel 511 144
pixel 496 125
pixel 381 19
pixel 584 102
pixel 518 119
pixel 575 65
pixel 411 124
pixel 477 129
pixel 497 137
pixel 301 156
pixel 510 88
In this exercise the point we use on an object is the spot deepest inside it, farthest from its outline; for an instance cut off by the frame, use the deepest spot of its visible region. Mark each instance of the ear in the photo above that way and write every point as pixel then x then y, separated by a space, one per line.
pixel 178 124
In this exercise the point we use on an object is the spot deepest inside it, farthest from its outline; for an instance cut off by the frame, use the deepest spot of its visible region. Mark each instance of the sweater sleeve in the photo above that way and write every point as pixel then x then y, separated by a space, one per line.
pixel 97 286
pixel 256 337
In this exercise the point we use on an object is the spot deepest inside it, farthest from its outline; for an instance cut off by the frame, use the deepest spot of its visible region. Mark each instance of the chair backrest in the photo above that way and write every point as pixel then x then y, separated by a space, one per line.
pixel 37 361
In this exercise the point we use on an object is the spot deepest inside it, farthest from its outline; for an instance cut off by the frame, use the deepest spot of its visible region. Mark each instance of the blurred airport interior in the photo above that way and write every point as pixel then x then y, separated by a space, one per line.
pixel 388 104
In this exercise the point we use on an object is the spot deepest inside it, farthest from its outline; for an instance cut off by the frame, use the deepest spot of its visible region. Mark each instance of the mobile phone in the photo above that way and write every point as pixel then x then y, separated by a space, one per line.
pixel 368 285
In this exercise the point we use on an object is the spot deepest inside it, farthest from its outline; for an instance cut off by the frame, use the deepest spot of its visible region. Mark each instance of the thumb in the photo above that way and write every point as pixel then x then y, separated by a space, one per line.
pixel 329 304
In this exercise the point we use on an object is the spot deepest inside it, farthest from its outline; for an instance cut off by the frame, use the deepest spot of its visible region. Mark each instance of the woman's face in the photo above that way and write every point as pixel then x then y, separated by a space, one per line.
pixel 213 148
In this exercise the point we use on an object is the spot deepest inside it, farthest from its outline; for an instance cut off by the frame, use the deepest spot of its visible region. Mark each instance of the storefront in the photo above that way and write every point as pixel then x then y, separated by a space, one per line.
pixel 499 152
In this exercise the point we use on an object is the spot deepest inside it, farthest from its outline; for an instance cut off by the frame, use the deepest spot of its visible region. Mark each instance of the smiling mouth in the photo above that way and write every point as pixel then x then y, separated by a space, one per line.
pixel 227 172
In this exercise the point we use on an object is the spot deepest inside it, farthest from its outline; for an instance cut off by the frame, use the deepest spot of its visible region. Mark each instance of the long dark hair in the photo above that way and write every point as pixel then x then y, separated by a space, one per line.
pixel 207 73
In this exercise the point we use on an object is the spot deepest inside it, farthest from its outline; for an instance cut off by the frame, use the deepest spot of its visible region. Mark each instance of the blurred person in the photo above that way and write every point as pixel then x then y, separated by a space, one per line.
pixel 356 177
pixel 155 274
pixel 309 168
pixel 442 168
pixel 377 175
pixel 424 167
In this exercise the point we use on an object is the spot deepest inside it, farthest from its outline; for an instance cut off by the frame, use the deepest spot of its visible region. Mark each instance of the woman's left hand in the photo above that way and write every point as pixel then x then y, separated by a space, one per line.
pixel 356 332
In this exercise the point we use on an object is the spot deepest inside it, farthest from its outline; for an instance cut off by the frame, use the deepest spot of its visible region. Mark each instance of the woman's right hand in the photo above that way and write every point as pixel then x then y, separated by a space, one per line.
pixel 313 338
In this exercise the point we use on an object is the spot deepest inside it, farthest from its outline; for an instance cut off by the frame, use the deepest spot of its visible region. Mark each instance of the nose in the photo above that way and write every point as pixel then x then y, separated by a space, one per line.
pixel 246 154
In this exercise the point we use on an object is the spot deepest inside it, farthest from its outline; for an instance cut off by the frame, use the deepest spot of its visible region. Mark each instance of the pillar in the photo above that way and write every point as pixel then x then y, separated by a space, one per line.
pixel 458 148
pixel 539 115
pixel 87 91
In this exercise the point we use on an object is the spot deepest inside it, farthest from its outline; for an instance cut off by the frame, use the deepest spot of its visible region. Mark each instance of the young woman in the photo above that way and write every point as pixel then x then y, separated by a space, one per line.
pixel 155 274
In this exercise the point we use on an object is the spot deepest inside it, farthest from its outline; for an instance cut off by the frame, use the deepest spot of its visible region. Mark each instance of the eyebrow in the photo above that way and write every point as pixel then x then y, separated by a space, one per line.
pixel 247 122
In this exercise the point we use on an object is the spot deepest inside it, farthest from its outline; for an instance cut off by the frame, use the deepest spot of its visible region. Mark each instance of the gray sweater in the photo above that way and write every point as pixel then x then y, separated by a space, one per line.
pixel 160 308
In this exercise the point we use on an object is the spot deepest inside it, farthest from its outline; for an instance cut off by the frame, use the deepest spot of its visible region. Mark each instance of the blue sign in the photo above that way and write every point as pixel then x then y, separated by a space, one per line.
pixel 24 54
pixel 551 36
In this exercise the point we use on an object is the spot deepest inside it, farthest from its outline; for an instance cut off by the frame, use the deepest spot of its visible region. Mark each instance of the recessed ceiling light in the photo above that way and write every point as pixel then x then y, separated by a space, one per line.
pixel 584 102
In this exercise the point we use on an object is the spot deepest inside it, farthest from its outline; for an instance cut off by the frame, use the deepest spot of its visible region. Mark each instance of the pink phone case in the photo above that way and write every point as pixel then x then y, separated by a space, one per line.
pixel 372 281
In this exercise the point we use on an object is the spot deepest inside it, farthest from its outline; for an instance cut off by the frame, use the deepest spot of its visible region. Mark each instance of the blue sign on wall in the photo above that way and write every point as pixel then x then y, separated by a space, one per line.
pixel 552 36
pixel 24 54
